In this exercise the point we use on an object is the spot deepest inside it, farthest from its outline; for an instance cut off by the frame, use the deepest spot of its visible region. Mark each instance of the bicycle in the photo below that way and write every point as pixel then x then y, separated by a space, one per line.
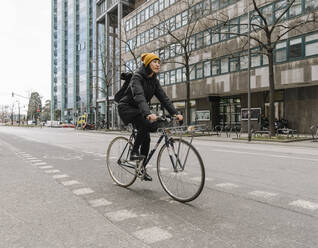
pixel 180 168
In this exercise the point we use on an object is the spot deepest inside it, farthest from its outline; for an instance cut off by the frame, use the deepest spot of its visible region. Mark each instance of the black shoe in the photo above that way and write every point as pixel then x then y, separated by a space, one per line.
pixel 136 156
pixel 147 177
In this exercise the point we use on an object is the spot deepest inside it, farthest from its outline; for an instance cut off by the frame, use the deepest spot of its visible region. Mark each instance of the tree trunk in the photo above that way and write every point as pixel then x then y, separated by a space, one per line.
pixel 271 92
pixel 107 108
pixel 187 105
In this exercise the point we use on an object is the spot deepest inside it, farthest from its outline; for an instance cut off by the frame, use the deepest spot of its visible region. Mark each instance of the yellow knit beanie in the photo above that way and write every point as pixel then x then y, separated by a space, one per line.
pixel 148 57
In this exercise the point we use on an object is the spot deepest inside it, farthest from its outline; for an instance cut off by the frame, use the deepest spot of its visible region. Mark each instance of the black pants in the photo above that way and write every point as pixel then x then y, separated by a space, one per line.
pixel 142 140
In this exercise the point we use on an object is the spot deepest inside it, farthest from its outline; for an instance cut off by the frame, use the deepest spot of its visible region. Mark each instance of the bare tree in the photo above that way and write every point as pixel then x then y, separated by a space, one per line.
pixel 104 74
pixel 266 30
pixel 183 39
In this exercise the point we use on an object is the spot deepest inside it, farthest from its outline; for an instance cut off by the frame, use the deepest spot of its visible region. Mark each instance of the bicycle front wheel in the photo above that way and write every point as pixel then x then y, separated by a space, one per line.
pixel 118 152
pixel 185 180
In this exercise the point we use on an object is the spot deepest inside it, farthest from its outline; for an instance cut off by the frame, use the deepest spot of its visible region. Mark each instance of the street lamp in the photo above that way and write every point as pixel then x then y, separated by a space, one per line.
pixel 249 75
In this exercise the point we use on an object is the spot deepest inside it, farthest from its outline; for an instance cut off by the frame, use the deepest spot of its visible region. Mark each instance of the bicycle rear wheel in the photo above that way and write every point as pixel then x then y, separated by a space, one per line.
pixel 120 170
pixel 185 182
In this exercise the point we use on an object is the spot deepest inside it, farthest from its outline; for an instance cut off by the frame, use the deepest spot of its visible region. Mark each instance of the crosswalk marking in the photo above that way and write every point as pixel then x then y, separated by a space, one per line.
pixel 152 235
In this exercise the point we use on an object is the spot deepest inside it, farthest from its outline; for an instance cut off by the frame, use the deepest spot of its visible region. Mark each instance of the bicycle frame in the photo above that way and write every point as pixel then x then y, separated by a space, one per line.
pixel 168 145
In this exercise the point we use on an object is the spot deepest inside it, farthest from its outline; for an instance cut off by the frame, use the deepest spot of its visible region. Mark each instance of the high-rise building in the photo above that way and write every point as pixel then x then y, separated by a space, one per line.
pixel 72 59
pixel 108 54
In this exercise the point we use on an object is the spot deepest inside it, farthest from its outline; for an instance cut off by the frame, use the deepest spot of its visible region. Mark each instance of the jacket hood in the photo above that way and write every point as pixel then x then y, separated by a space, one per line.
pixel 145 71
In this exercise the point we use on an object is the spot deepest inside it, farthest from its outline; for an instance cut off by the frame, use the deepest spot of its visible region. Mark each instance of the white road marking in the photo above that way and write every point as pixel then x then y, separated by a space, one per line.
pixel 304 204
pixel 121 215
pixel 36 160
pixel 60 176
pixel 263 194
pixel 152 235
pixel 46 167
pixel 83 191
pixel 227 185
pixel 99 202
pixel 52 171
pixel 69 183
pixel 31 158
pixel 265 155
pixel 42 163
pixel 198 179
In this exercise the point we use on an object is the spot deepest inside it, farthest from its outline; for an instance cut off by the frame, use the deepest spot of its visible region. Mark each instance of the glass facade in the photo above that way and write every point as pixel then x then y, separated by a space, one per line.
pixel 72 55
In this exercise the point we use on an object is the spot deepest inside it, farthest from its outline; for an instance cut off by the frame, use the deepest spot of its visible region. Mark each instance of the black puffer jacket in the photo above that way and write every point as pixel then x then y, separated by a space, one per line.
pixel 141 89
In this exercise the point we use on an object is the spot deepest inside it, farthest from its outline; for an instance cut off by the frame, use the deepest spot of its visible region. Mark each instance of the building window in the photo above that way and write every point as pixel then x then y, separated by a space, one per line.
pixel 311 5
pixel 199 71
pixel 295 48
pixel 179 75
pixel 151 10
pixel 161 5
pixel 215 5
pixel 281 52
pixel 207 38
pixel 243 61
pixel 224 65
pixel 224 33
pixel 223 3
pixel 172 77
pixel 280 7
pixel 167 78
pixel 215 67
pixel 207 68
pixel 233 28
pixel 255 58
pixel 178 21
pixel 234 64
pixel 192 72
pixel 215 36
pixel 172 24
pixel 172 50
pixel 296 8
pixel 184 18
pixel 162 78
pixel 268 14
pixel 199 40
pixel 311 47
pixel 243 24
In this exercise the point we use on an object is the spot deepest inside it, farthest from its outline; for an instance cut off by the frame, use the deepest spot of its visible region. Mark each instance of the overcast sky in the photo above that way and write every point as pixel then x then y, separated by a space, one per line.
pixel 25 49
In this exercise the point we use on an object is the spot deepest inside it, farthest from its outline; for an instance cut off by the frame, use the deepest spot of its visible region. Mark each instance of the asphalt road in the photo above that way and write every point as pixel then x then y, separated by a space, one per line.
pixel 55 191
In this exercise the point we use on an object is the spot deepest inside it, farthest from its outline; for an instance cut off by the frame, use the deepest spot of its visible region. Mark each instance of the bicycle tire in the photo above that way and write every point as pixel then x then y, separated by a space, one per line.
pixel 194 179
pixel 116 170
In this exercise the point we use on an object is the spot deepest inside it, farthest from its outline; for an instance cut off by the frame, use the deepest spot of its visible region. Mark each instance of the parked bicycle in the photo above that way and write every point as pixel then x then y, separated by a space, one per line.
pixel 180 168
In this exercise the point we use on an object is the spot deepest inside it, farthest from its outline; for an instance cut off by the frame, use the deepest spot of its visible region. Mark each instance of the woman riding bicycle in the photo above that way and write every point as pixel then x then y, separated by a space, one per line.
pixel 134 106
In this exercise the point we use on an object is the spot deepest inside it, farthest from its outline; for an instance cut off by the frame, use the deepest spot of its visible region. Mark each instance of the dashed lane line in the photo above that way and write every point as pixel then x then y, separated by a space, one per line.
pixel 41 163
pixel 263 194
pixel 227 185
pixel 304 204
pixel 83 191
pixel 52 171
pixel 121 215
pixel 60 176
pixel 69 183
pixel 99 202
pixel 152 235
pixel 46 167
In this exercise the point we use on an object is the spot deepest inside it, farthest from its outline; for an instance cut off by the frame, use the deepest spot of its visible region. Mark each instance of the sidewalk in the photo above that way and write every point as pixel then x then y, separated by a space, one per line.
pixel 232 138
